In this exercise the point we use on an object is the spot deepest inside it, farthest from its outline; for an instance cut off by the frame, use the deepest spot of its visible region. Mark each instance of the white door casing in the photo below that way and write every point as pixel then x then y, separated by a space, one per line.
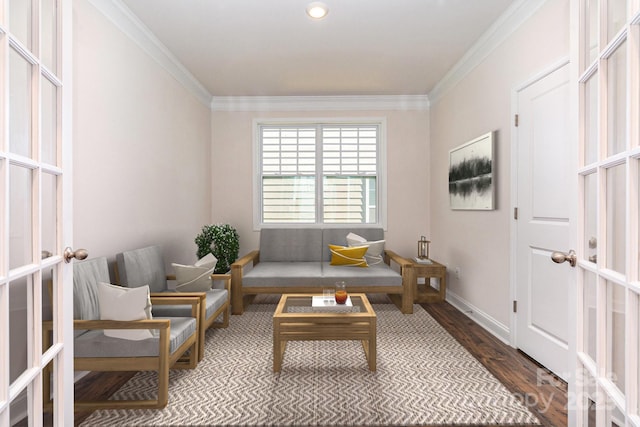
pixel 35 208
pixel 545 215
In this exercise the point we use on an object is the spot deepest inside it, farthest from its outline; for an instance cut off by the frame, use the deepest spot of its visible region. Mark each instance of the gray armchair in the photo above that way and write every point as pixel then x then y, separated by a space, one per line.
pixel 145 266
pixel 173 344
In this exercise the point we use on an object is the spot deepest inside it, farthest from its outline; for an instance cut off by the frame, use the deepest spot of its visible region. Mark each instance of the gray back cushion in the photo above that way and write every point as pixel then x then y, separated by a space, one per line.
pixel 86 276
pixel 338 236
pixel 141 267
pixel 290 244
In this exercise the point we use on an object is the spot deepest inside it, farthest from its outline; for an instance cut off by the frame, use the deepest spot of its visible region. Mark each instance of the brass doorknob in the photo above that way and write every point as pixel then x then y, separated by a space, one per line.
pixel 78 254
pixel 560 257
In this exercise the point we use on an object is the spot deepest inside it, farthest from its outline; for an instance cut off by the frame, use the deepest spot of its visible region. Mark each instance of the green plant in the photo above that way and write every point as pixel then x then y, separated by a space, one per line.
pixel 222 241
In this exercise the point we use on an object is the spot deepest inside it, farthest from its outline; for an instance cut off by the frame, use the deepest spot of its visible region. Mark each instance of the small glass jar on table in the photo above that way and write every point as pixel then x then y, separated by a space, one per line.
pixel 341 292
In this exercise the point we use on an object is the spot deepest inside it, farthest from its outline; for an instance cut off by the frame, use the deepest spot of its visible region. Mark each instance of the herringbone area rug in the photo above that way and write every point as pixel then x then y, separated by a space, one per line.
pixel 424 377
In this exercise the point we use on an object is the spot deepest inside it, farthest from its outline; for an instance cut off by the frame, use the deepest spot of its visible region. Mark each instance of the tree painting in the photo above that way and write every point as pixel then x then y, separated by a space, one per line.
pixel 471 174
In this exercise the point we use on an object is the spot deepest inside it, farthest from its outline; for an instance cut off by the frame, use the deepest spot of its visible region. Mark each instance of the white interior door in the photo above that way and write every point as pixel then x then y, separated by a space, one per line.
pixel 608 289
pixel 35 93
pixel 546 213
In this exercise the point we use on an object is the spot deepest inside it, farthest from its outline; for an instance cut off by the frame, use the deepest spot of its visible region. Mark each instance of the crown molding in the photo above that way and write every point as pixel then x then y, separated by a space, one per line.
pixel 321 103
pixel 122 17
pixel 517 14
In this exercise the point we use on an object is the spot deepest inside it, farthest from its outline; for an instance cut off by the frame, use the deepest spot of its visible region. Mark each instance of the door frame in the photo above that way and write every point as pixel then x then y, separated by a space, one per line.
pixel 513 338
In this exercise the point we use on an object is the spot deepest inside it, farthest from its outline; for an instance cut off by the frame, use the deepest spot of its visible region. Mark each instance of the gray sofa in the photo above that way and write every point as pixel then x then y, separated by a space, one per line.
pixel 297 260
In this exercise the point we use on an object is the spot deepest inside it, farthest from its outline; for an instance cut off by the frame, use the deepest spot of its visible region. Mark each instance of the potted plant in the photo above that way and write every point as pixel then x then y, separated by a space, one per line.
pixel 222 241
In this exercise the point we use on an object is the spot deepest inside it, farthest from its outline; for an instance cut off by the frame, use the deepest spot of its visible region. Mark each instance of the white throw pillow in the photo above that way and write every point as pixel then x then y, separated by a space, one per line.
pixel 119 303
pixel 376 247
pixel 208 260
pixel 190 278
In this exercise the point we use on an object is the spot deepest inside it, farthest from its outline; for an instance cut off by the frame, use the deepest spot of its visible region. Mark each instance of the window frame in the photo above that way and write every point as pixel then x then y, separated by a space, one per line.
pixel 381 176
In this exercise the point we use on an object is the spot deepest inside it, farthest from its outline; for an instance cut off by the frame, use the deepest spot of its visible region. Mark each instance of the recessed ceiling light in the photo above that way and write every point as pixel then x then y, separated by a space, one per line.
pixel 317 10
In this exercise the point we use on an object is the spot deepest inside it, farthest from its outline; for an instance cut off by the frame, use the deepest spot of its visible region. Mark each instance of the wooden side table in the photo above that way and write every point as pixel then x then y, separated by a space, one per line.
pixel 427 271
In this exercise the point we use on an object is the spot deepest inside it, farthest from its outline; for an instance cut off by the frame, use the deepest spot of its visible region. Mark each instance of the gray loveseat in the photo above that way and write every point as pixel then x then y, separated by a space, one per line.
pixel 297 260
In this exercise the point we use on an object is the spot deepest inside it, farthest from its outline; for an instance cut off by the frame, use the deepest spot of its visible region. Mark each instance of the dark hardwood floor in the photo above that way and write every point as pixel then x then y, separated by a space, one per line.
pixel 544 394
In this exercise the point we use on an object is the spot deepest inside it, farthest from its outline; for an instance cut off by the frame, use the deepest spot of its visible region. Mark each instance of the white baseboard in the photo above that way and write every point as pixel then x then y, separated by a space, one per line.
pixel 496 328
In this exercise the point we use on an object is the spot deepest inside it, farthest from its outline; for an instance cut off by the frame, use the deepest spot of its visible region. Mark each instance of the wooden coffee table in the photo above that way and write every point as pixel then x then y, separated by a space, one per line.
pixel 296 320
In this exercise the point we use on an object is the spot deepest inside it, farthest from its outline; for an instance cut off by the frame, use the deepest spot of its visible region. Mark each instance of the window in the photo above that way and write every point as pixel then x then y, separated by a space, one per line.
pixel 319 173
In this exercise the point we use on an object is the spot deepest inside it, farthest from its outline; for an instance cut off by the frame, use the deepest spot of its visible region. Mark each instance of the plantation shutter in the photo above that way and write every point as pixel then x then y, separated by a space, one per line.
pixel 288 174
pixel 344 189
pixel 349 166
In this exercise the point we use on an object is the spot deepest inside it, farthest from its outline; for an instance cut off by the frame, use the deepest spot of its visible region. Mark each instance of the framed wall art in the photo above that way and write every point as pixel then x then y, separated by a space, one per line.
pixel 471 174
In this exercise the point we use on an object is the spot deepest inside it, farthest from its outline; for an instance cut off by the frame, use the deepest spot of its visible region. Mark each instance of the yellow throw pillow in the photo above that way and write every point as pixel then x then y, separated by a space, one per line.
pixel 352 256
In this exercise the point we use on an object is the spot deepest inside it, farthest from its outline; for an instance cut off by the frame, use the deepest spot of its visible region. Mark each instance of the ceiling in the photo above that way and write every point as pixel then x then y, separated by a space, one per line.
pixel 362 47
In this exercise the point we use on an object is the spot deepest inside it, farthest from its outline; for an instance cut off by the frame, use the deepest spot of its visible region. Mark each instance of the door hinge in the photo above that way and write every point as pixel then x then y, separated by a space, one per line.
pixel 515 306
pixel 516 119
pixel 515 213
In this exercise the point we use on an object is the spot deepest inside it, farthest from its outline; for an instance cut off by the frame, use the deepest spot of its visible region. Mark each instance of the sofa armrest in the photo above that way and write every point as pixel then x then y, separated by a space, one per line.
pixel 253 256
pixel 237 270
pixel 408 279
pixel 392 256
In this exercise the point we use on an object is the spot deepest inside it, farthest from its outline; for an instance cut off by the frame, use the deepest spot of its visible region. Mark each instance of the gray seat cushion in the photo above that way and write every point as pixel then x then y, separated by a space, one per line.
pixel 283 274
pixel 141 267
pixel 375 275
pixel 215 299
pixel 290 274
pixel 95 343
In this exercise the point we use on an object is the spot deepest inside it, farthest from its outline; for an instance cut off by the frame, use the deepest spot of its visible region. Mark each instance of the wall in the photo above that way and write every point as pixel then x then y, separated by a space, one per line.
pixel 478 242
pixel 141 147
pixel 407 172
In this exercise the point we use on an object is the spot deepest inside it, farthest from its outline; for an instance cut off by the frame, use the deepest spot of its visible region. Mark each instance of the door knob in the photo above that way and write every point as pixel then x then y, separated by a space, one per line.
pixel 79 254
pixel 560 257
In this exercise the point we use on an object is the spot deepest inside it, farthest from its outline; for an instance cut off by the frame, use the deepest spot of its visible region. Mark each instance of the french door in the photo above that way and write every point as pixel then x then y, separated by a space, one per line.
pixel 35 201
pixel 608 319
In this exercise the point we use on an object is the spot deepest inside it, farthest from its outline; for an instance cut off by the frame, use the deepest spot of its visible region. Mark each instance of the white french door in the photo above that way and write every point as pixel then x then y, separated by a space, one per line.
pixel 35 202
pixel 608 297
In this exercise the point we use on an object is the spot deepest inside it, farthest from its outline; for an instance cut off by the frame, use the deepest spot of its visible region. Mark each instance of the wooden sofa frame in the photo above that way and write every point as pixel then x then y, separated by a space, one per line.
pixel 185 357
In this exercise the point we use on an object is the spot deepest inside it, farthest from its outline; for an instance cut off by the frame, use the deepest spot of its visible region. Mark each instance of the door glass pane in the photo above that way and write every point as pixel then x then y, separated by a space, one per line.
pixel 49 215
pixel 49 34
pixel 19 104
pixel 49 381
pixel 616 17
pixel 20 21
pixel 589 314
pixel 615 332
pixel 590 217
pixel 47 306
pixel 591 119
pixel 18 326
pixel 616 197
pixel 588 395
pixel 617 100
pixel 49 109
pixel 591 31
pixel 20 233
pixel 614 416
pixel 19 406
